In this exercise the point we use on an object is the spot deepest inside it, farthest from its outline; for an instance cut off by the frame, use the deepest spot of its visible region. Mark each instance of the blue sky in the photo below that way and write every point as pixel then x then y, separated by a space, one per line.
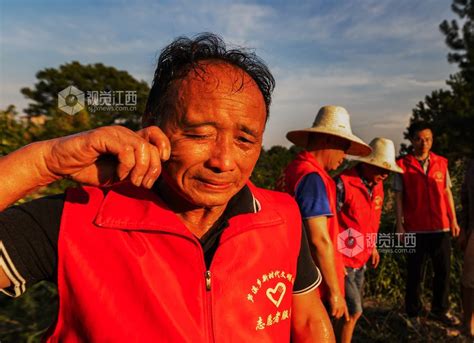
pixel 376 58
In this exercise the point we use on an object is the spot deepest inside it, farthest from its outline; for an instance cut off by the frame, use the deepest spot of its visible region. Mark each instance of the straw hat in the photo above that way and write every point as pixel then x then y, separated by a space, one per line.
pixel 383 155
pixel 331 120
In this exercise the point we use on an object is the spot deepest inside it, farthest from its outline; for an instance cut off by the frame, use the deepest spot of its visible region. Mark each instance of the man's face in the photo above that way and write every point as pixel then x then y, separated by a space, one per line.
pixel 337 155
pixel 422 142
pixel 335 151
pixel 215 133
pixel 374 174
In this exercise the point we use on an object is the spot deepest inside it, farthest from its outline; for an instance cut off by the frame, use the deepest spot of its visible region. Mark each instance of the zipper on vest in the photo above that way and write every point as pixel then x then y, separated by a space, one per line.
pixel 208 280
pixel 208 296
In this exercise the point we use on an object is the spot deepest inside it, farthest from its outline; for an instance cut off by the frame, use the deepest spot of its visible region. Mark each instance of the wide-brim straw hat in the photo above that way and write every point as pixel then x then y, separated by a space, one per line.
pixel 334 121
pixel 383 155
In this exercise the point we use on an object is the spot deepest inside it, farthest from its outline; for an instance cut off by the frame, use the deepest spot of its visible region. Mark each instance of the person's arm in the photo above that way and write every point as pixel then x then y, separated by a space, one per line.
pixel 323 253
pixel 375 258
pixel 452 213
pixel 28 242
pixel 137 156
pixel 309 320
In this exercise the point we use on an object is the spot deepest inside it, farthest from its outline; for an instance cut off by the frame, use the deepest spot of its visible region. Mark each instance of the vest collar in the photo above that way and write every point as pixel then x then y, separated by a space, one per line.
pixel 307 157
pixel 414 163
pixel 131 208
pixel 355 180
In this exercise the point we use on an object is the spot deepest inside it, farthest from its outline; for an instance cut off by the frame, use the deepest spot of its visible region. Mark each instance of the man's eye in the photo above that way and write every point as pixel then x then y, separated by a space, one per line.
pixel 245 140
pixel 196 136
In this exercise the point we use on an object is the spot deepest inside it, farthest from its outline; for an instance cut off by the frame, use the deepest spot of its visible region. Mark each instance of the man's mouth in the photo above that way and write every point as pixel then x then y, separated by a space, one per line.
pixel 215 184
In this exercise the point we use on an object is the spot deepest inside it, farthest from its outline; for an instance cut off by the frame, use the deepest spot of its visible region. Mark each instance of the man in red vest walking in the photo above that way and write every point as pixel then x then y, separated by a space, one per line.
pixel 170 242
pixel 307 179
pixel 360 198
pixel 425 207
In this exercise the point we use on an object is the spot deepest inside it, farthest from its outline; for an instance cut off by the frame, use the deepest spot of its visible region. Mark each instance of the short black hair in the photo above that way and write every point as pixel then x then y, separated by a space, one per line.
pixel 418 126
pixel 184 54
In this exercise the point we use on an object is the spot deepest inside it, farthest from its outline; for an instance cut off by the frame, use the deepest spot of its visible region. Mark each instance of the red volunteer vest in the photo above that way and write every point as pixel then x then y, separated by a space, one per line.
pixel 362 213
pixel 302 165
pixel 130 271
pixel 425 205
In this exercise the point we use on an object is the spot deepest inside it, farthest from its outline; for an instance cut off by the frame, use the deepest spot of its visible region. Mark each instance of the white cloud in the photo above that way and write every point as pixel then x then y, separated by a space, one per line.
pixel 373 101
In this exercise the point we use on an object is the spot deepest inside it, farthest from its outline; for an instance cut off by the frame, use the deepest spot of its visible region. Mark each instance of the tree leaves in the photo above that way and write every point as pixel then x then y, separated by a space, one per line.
pixel 451 111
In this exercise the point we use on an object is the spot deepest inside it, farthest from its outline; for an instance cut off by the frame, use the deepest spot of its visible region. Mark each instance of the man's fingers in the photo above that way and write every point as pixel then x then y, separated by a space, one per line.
pixel 375 260
pixel 83 156
pixel 336 311
pixel 154 169
pixel 142 162
pixel 333 311
pixel 346 313
pixel 126 158
pixel 155 136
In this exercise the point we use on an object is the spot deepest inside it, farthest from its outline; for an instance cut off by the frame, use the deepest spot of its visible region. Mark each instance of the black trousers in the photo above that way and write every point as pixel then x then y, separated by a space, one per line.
pixel 437 246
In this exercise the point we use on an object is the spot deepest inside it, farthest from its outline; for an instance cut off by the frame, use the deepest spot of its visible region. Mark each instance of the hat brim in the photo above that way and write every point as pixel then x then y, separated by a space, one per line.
pixel 393 167
pixel 357 147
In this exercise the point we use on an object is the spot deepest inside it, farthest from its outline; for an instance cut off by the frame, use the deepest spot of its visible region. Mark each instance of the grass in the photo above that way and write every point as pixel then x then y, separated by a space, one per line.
pixel 384 323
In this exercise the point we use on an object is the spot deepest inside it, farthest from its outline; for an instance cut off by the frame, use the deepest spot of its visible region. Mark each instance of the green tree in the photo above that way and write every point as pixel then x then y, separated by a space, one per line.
pixel 12 131
pixel 461 39
pixel 87 78
pixel 451 111
pixel 270 165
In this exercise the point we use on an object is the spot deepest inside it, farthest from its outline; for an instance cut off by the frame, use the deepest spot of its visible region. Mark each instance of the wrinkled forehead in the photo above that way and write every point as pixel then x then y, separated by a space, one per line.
pixel 212 86
pixel 214 74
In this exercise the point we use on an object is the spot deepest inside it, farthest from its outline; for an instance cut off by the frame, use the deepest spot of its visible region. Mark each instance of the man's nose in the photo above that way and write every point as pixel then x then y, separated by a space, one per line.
pixel 222 155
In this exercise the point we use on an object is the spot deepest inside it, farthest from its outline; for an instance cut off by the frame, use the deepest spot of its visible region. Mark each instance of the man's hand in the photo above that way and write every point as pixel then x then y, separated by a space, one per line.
pixel 322 251
pixel 338 306
pixel 96 157
pixel 375 258
pixel 455 229
pixel 109 154
pixel 452 213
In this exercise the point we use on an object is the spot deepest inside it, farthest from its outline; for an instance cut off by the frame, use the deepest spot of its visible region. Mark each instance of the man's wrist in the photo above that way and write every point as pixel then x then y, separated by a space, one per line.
pixel 39 154
pixel 335 292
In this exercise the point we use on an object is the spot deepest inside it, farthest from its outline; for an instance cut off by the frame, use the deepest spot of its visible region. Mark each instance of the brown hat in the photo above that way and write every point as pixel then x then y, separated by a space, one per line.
pixel 335 121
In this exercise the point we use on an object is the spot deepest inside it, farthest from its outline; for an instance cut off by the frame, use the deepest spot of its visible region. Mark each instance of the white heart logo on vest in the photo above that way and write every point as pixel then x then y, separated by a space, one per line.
pixel 276 294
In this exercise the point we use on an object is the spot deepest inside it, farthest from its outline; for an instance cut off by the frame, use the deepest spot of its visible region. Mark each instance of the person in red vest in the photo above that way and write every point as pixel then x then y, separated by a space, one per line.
pixel 170 242
pixel 360 198
pixel 425 207
pixel 307 179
